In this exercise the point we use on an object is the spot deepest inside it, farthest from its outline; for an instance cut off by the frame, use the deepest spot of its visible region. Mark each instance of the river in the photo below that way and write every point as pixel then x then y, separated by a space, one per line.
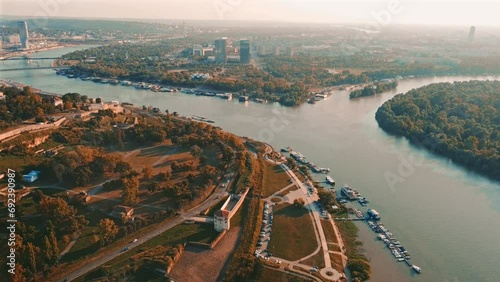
pixel 446 217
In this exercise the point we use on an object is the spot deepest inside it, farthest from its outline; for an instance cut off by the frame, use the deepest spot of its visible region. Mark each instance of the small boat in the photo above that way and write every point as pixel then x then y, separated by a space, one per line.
pixel 330 180
pixel 401 259
pixel 359 214
pixel 417 269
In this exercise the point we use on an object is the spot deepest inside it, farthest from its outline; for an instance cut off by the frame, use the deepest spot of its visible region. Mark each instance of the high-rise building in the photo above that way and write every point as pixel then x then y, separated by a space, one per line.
pixel 290 51
pixel 276 51
pixel 244 51
pixel 23 34
pixel 220 51
pixel 472 33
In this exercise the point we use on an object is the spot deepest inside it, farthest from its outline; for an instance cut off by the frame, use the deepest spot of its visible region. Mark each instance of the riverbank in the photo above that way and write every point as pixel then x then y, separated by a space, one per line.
pixel 343 135
pixel 23 53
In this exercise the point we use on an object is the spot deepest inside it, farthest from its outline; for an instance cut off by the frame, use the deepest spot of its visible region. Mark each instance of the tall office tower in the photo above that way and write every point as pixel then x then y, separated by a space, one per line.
pixel 23 34
pixel 244 51
pixel 472 33
pixel 220 51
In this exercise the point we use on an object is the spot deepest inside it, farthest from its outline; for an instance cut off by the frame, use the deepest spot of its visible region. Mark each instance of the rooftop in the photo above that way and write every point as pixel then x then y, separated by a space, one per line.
pixel 222 213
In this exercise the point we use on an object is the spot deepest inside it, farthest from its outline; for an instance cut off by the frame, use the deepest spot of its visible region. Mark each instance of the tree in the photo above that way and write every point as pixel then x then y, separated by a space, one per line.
pixel 196 151
pixel 298 203
pixel 108 230
pixel 130 191
pixel 31 259
pixel 147 172
pixel 56 209
pixel 47 251
pixel 164 176
pixel 19 274
pixel 68 105
pixel 122 167
pixel 55 249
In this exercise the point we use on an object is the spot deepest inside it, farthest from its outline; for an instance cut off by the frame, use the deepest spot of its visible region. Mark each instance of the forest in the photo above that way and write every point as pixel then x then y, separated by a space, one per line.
pixel 460 121
pixel 373 89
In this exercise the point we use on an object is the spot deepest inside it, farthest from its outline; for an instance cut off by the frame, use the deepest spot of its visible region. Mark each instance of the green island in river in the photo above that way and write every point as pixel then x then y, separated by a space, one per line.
pixel 460 121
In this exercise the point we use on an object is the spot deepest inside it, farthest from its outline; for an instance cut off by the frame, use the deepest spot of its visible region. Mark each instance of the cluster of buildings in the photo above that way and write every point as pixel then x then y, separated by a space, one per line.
pixel 224 51
pixel 21 39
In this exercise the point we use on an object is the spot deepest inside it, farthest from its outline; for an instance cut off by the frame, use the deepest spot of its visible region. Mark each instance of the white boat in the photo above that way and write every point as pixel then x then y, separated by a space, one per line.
pixel 417 269
pixel 330 180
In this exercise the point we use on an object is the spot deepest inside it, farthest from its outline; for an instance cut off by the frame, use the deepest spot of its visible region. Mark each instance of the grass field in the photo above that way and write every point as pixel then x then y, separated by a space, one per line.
pixel 337 262
pixel 284 193
pixel 275 179
pixel 271 275
pixel 293 234
pixel 179 234
pixel 316 260
pixel 329 232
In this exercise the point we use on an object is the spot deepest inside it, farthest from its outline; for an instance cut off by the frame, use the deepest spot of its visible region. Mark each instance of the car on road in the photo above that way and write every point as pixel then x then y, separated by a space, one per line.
pixel 126 249
pixel 277 261
pixel 135 240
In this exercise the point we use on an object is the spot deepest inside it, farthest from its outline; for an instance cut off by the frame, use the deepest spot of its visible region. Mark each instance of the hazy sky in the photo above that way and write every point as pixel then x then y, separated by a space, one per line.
pixel 447 12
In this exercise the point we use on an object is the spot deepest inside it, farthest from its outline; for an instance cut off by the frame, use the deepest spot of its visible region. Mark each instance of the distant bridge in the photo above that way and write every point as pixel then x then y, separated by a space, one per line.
pixel 39 68
pixel 29 58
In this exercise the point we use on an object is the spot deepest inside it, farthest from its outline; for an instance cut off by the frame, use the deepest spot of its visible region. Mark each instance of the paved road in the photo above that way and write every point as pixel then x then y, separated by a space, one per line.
pixel 213 199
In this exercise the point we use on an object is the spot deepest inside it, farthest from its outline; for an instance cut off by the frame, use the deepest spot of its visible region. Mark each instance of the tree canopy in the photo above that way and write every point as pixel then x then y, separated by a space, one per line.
pixel 458 120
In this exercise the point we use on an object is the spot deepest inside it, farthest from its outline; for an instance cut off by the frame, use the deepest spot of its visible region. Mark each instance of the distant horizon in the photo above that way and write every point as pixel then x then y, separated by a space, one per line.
pixel 256 21
pixel 383 12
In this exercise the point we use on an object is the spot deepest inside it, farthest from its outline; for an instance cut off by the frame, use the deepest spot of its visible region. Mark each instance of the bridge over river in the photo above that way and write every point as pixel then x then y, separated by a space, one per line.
pixel 34 68
pixel 29 58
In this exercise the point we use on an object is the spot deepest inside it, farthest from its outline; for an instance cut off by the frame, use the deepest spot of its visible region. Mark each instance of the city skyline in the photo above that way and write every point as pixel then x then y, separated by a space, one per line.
pixel 318 11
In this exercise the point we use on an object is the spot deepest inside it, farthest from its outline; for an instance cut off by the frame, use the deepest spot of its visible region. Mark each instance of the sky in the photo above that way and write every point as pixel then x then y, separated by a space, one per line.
pixel 440 12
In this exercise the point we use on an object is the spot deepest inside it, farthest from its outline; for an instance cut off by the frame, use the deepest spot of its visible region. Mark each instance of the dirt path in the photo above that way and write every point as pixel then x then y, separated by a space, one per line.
pixel 202 265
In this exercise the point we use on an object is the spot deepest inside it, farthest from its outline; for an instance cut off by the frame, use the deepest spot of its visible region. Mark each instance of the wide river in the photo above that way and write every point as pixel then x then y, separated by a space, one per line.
pixel 446 217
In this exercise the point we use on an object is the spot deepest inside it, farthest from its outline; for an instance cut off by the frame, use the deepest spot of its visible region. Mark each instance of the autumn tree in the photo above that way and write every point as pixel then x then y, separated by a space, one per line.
pixel 196 151
pixel 31 259
pixel 108 230
pixel 55 249
pixel 56 210
pixel 147 172
pixel 123 167
pixel 130 190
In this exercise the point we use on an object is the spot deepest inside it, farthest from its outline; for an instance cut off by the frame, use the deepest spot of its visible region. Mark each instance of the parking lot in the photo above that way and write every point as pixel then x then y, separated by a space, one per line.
pixel 265 232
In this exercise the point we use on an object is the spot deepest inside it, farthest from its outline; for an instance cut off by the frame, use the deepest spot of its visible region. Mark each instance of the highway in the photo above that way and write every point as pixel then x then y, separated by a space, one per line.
pixel 210 201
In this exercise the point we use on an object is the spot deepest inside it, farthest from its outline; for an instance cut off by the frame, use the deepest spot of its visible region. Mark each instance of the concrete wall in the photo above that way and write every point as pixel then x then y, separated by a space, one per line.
pixel 31 127
pixel 238 205
pixel 225 203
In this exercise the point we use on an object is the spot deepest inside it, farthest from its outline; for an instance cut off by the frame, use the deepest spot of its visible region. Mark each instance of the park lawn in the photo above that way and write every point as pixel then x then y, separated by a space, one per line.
pixel 271 275
pixel 316 260
pixel 181 233
pixel 329 232
pixel 336 260
pixel 293 233
pixel 18 163
pixel 275 179
pixel 284 193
